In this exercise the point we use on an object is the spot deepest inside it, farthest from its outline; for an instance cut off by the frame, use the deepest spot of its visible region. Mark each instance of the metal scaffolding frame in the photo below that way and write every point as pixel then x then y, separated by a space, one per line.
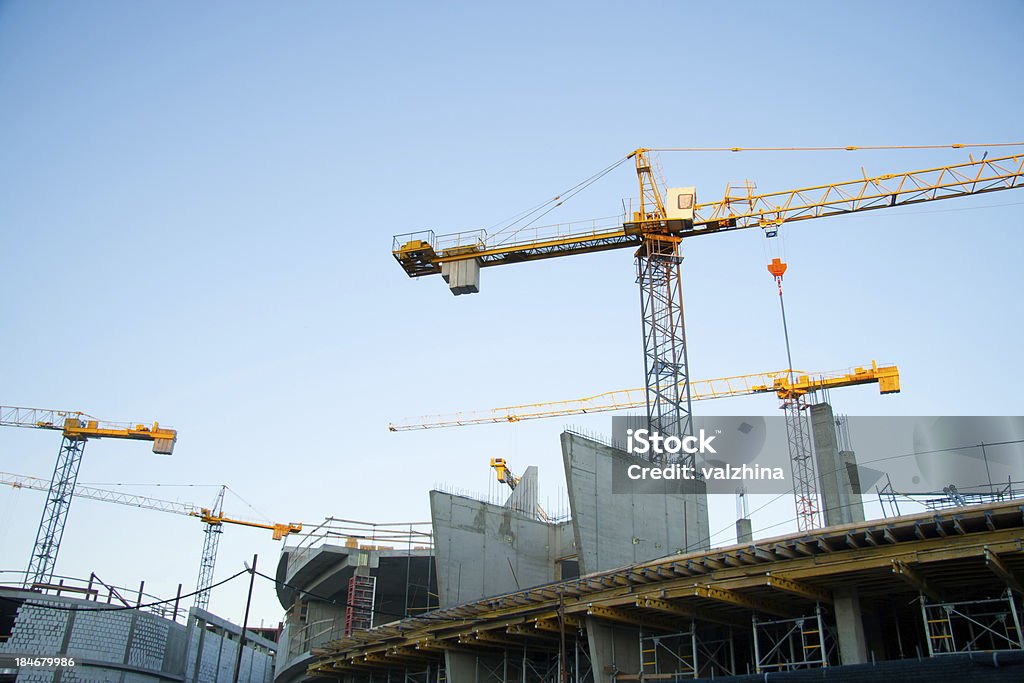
pixel 801 460
pixel 951 496
pixel 686 655
pixel 525 666
pixel 362 592
pixel 973 625
pixel 789 644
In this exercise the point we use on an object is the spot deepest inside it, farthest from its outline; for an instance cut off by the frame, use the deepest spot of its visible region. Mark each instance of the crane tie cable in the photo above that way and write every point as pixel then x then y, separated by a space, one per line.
pixel 843 148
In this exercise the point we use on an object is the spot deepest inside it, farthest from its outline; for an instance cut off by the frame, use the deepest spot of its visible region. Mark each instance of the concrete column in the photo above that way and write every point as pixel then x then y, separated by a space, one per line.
pixel 460 667
pixel 850 478
pixel 853 647
pixel 744 531
pixel 840 501
pixel 613 649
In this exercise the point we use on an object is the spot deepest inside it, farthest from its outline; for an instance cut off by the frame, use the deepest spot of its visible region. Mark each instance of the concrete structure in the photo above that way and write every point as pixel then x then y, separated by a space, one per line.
pixel 940 585
pixel 124 645
pixel 313 584
pixel 837 471
pixel 613 529
pixel 485 549
pixel 744 530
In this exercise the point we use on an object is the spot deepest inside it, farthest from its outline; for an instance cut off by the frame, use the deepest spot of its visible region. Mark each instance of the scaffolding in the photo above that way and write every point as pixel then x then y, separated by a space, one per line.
pixel 362 590
pixel 970 626
pixel 951 496
pixel 685 655
pixel 789 644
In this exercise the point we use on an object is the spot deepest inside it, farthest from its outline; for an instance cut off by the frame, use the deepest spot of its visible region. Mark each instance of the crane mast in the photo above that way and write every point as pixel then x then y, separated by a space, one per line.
pixel 208 560
pixel 76 428
pixel 661 311
pixel 657 229
pixel 213 519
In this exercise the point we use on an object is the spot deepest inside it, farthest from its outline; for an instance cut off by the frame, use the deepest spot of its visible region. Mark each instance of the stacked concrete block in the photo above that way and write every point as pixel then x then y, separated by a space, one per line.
pixel 36 675
pixel 100 636
pixel 37 629
pixel 228 653
pixel 139 678
pixel 191 653
pixel 209 658
pixel 148 643
pixel 90 674
pixel 128 646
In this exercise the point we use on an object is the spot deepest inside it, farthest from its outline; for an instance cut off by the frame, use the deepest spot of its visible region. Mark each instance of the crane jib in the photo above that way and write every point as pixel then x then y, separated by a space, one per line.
pixel 424 253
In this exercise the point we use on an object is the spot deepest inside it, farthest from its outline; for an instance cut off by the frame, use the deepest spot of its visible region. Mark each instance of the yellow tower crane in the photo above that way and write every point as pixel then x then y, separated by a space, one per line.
pixel 664 217
pixel 77 428
pixel 784 383
pixel 213 518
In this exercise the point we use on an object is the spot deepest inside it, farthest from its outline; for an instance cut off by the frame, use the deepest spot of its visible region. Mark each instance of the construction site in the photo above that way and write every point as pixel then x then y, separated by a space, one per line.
pixel 624 583
pixel 797 459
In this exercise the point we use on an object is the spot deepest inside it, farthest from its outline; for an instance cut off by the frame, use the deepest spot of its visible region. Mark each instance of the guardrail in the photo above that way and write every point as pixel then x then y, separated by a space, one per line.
pixel 94 589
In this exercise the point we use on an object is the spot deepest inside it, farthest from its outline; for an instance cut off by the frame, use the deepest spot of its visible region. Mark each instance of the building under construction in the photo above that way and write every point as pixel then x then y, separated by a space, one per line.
pixel 622 591
pixel 629 588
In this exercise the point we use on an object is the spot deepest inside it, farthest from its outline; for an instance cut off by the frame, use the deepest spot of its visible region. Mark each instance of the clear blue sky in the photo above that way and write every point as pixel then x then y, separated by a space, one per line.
pixel 198 201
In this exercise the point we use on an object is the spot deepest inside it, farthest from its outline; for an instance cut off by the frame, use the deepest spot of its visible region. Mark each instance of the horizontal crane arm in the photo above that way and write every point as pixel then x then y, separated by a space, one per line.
pixel 80 426
pixel 205 515
pixel 778 382
pixel 279 530
pixel 424 253
pixel 19 481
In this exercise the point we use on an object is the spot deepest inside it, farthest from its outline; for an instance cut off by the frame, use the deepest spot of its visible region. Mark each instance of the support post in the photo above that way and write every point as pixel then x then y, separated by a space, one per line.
pixel 849 626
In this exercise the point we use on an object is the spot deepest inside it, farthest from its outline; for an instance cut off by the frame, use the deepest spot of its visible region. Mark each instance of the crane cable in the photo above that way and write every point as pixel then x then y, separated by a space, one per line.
pixel 509 228
pixel 843 148
pixel 120 608
pixel 547 207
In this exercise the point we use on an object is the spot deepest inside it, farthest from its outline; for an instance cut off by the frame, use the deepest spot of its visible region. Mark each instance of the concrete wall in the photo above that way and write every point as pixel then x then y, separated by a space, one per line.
pixel 131 641
pixel 616 529
pixel 613 649
pixel 124 646
pixel 482 549
pixel 213 652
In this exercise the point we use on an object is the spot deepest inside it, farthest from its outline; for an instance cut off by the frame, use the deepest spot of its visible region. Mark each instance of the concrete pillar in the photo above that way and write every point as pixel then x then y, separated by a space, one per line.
pixel 460 667
pixel 851 480
pixel 840 500
pixel 853 647
pixel 613 649
pixel 744 531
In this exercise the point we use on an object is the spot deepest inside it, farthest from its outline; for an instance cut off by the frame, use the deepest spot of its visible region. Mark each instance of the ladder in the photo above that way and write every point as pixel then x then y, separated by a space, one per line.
pixel 359 612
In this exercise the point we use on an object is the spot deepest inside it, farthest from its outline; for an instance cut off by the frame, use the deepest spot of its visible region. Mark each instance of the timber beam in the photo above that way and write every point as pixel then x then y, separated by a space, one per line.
pixel 999 568
pixel 915 580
